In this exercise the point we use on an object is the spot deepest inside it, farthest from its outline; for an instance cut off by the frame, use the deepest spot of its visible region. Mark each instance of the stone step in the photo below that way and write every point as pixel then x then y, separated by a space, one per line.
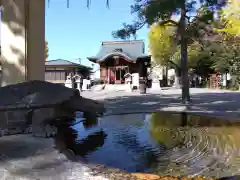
pixel 116 87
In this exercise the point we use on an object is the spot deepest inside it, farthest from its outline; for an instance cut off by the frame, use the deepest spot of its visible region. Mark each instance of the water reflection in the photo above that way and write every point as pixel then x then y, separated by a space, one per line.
pixel 68 138
pixel 90 120
pixel 197 145
pixel 163 143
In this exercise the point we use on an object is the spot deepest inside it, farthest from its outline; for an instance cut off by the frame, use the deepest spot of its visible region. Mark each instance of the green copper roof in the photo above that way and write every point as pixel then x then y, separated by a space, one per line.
pixel 132 50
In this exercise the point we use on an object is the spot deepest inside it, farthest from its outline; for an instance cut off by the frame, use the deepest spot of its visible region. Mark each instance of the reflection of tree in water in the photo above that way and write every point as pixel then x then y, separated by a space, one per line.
pixel 90 144
pixel 171 129
pixel 184 119
pixel 90 121
pixel 66 138
pixel 187 137
pixel 164 129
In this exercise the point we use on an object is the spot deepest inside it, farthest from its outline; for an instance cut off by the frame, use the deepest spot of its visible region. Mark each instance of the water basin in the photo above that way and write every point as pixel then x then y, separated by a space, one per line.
pixel 162 143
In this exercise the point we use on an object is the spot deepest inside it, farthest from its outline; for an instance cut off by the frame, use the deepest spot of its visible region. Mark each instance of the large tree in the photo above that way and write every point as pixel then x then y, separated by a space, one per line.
pixel 190 17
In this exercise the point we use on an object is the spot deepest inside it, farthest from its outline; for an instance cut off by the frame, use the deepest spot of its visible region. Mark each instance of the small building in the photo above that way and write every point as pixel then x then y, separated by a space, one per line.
pixel 117 58
pixel 56 71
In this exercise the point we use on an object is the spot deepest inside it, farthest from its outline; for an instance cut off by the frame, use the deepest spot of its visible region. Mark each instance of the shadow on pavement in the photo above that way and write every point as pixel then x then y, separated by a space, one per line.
pixel 22 146
pixel 211 103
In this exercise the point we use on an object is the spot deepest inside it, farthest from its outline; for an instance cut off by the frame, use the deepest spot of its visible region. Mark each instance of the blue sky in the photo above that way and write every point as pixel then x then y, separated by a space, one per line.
pixel 77 32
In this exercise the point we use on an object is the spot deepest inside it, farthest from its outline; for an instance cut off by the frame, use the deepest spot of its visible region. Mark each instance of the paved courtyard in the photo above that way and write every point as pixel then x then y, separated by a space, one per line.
pixel 204 101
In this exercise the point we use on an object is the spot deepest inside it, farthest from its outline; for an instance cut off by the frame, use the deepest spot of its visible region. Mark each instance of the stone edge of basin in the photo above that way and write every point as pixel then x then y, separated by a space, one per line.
pixel 143 176
pixel 115 173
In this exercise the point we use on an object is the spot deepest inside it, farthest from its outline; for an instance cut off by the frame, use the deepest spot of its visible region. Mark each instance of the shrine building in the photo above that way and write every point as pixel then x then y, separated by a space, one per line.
pixel 117 58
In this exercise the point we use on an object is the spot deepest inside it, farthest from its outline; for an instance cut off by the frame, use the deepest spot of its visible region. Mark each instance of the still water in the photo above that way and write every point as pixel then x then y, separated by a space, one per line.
pixel 161 143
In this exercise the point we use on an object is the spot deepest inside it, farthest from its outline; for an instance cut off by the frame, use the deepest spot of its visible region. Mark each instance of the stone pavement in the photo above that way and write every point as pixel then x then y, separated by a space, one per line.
pixel 24 157
pixel 215 103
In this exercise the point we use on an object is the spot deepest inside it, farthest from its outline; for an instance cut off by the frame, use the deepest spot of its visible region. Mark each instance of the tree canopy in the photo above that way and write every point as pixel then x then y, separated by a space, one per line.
pixel 231 17
pixel 196 12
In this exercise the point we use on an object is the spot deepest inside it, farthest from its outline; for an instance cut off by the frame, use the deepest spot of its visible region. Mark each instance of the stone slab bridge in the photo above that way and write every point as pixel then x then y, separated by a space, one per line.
pixel 22 40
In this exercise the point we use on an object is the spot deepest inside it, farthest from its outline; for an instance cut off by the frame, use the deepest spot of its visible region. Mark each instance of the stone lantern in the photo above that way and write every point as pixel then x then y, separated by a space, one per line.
pixel 78 81
pixel 69 81
pixel 128 81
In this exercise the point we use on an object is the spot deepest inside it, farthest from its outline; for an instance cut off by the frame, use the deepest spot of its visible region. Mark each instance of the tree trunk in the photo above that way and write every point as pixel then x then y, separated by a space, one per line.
pixel 184 53
pixel 165 76
pixel 166 69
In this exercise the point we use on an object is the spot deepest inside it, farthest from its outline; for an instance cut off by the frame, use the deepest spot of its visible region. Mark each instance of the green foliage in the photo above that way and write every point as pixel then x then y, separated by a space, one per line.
pixel 194 54
pixel 164 11
pixel 234 60
pixel 228 56
pixel 231 17
pixel 224 54
pixel 165 51
pixel 163 129
pixel 199 58
pixel 161 44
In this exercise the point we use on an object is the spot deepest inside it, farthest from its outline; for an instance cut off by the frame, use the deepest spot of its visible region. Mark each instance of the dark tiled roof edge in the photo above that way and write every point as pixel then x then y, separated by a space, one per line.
pixel 122 42
pixel 70 63
pixel 63 60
